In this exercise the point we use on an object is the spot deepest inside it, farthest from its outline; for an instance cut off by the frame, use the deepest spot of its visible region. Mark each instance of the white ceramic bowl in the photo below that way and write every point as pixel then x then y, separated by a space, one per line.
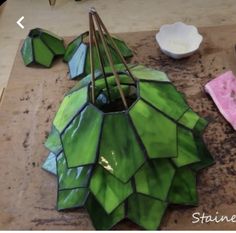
pixel 178 40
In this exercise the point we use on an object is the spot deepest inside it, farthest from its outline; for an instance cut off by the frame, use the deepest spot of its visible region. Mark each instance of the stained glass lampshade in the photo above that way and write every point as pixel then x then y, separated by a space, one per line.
pixel 77 55
pixel 41 47
pixel 125 144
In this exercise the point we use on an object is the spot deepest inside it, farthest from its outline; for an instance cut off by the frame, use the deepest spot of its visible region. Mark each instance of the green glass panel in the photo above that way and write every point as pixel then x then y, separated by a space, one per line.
pixel 109 191
pixel 189 119
pixel 77 62
pixel 42 53
pixel 120 152
pixel 80 139
pixel 27 51
pixel 49 164
pixel 71 48
pixel 100 219
pixel 145 211
pixel 200 126
pixel 158 134
pixel 73 198
pixel 183 189
pixel 71 178
pixel 70 105
pixel 53 142
pixel 154 178
pixel 54 43
pixel 187 150
pixel 144 73
pixel 165 97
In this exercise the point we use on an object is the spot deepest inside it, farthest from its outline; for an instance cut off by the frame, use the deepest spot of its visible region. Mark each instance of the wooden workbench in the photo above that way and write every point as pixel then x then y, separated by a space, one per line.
pixel 28 194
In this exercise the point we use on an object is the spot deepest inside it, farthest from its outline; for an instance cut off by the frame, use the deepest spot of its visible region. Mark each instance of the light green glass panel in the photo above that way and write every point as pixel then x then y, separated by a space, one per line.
pixel 189 119
pixel 80 139
pixel 71 178
pixel 183 189
pixel 187 150
pixel 53 142
pixel 27 51
pixel 67 199
pixel 165 97
pixel 157 132
pixel 120 152
pixel 145 211
pixel 154 178
pixel 100 219
pixel 109 191
pixel 49 164
pixel 70 105
pixel 144 73
pixel 71 48
pixel 42 54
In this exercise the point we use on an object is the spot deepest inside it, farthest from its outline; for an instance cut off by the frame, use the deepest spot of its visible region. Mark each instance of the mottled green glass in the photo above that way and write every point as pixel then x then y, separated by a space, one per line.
pixel 159 135
pixel 73 198
pixel 27 51
pixel 80 139
pixel 154 178
pixel 145 211
pixel 189 119
pixel 53 142
pixel 70 105
pixel 120 154
pixel 187 150
pixel 49 164
pixel 183 189
pixel 101 220
pixel 109 191
pixel 164 97
pixel 71 178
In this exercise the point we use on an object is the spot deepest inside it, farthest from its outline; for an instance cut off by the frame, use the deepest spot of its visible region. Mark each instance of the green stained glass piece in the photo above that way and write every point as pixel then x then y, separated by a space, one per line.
pixel 120 153
pixel 159 135
pixel 49 164
pixel 189 119
pixel 71 178
pixel 54 43
pixel 42 54
pixel 71 48
pixel 154 178
pixel 145 211
pixel 143 73
pixel 80 139
pixel 183 189
pixel 164 97
pixel 70 105
pixel 200 126
pixel 27 51
pixel 109 191
pixel 71 198
pixel 101 220
pixel 53 142
pixel 187 150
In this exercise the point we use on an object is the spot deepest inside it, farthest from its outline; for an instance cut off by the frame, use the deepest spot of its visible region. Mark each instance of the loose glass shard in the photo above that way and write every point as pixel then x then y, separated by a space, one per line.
pixel 27 51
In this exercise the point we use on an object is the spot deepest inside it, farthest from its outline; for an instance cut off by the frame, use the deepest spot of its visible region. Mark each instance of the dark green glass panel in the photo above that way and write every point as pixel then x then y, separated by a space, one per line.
pixel 109 191
pixel 27 51
pixel 187 150
pixel 71 178
pixel 49 164
pixel 73 198
pixel 183 189
pixel 53 142
pixel 71 48
pixel 42 53
pixel 120 152
pixel 100 219
pixel 146 211
pixel 189 119
pixel 70 105
pixel 143 73
pixel 80 139
pixel 165 97
pixel 158 134
pixel 54 43
pixel 200 126
pixel 154 178
pixel 77 62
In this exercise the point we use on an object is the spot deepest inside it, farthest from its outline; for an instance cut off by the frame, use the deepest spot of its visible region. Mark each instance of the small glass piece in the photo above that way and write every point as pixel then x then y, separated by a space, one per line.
pixel 80 139
pixel 145 211
pixel 101 220
pixel 71 198
pixel 27 51
pixel 108 190
pixel 120 154
pixel 49 164
pixel 189 119
pixel 53 142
